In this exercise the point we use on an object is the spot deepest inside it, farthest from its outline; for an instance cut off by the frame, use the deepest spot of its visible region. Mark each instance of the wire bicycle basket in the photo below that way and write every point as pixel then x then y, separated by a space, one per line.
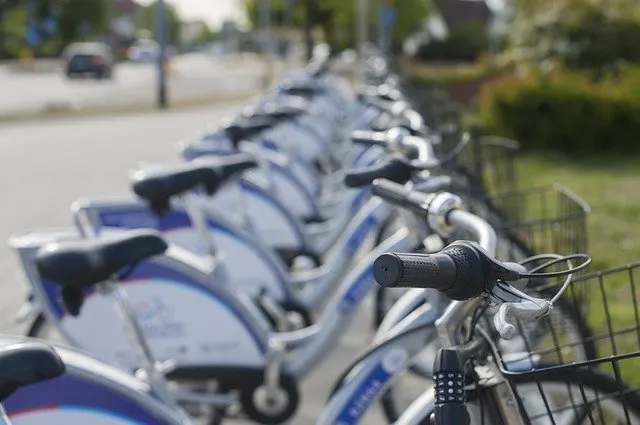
pixel 487 165
pixel 490 164
pixel 535 220
pixel 574 375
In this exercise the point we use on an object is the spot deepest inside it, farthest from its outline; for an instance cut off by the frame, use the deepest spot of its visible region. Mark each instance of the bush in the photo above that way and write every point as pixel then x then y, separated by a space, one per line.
pixel 565 112
pixel 465 43
pixel 583 35
pixel 439 75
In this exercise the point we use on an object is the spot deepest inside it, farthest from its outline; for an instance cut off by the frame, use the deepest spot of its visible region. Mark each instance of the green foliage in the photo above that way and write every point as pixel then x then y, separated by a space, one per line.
pixel 82 19
pixel 411 15
pixel 337 18
pixel 146 20
pixel 465 43
pixel 77 19
pixel 595 35
pixel 14 28
pixel 566 112
pixel 438 75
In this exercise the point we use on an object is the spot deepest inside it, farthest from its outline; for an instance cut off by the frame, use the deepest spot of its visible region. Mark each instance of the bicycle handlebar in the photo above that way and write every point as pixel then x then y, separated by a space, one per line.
pixel 369 138
pixel 394 168
pixel 458 271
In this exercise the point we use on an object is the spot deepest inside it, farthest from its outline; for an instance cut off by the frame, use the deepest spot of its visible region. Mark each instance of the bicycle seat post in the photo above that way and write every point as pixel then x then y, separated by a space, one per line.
pixel 196 211
pixel 245 221
pixel 82 221
pixel 149 366
pixel 4 419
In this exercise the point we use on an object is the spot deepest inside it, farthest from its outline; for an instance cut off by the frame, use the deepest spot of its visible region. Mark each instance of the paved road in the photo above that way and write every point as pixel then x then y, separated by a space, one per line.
pixel 194 76
pixel 45 166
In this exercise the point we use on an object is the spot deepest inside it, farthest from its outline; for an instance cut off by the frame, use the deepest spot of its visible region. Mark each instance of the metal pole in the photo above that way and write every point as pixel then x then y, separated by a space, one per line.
pixel 267 42
pixel 162 43
pixel 2 37
pixel 288 14
pixel 308 29
pixel 265 16
pixel 362 27
pixel 380 25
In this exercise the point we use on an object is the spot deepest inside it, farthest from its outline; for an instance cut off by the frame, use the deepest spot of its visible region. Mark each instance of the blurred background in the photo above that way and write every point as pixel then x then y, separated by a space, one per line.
pixel 562 77
pixel 80 81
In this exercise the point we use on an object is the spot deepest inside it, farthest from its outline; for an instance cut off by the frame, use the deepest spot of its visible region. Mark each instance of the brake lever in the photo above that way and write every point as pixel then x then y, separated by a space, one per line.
pixel 515 305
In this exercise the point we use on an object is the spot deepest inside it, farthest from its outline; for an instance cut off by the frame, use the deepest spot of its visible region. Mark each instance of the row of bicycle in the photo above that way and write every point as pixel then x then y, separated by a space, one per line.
pixel 232 274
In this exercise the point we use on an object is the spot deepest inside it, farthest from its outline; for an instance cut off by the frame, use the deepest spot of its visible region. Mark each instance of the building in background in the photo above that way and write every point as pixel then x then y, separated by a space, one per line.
pixel 122 26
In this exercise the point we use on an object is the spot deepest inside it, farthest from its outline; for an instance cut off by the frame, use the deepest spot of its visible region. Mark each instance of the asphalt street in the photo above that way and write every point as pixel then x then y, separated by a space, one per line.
pixel 44 166
pixel 195 75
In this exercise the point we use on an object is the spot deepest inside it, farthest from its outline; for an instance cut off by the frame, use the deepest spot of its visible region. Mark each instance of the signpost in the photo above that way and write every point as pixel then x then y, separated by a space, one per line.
pixel 387 18
pixel 162 43
pixel 267 42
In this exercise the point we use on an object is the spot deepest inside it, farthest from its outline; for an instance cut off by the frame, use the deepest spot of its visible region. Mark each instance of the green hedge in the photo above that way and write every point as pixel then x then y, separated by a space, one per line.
pixel 465 43
pixel 443 74
pixel 565 112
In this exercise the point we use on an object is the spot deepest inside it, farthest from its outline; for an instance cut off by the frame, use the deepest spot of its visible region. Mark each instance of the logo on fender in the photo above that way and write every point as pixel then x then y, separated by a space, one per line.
pixel 156 319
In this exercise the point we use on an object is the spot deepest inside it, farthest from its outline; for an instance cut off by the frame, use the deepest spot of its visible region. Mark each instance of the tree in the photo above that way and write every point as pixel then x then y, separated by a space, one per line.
pixel 146 20
pixel 81 19
pixel 337 18
pixel 586 34
pixel 74 20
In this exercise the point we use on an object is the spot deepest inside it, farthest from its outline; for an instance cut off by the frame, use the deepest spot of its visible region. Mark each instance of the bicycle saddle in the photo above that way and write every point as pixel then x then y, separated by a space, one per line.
pixel 280 111
pixel 27 363
pixel 306 90
pixel 82 263
pixel 157 185
pixel 247 127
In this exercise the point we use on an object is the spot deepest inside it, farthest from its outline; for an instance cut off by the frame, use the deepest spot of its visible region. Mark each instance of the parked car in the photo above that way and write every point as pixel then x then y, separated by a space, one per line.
pixel 89 58
pixel 144 51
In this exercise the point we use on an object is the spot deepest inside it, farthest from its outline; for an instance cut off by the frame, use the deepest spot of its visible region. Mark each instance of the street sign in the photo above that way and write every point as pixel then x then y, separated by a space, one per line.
pixel 32 37
pixel 49 25
pixel 389 15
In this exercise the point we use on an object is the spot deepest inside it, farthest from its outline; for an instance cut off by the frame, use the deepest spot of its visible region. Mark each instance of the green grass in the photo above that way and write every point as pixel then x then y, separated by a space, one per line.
pixel 442 74
pixel 611 185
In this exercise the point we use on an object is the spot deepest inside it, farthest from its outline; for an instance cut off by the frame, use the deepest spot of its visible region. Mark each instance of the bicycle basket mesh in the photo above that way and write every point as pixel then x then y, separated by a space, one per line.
pixel 577 372
pixel 487 165
pixel 536 220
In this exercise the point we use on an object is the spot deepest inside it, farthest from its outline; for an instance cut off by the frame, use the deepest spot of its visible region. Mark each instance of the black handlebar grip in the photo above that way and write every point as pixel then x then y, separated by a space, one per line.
pixel 394 169
pixel 474 276
pixel 459 271
pixel 437 271
pixel 369 138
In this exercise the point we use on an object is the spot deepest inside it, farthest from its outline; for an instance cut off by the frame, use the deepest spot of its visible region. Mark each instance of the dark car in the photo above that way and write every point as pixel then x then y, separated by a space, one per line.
pixel 95 59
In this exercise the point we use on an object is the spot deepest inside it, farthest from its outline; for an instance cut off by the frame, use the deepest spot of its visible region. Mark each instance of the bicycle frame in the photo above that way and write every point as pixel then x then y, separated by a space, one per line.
pixel 342 308
pixel 89 391
pixel 183 269
pixel 239 248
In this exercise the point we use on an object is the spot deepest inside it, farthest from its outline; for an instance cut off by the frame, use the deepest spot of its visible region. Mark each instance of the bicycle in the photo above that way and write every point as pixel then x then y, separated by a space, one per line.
pixel 501 391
